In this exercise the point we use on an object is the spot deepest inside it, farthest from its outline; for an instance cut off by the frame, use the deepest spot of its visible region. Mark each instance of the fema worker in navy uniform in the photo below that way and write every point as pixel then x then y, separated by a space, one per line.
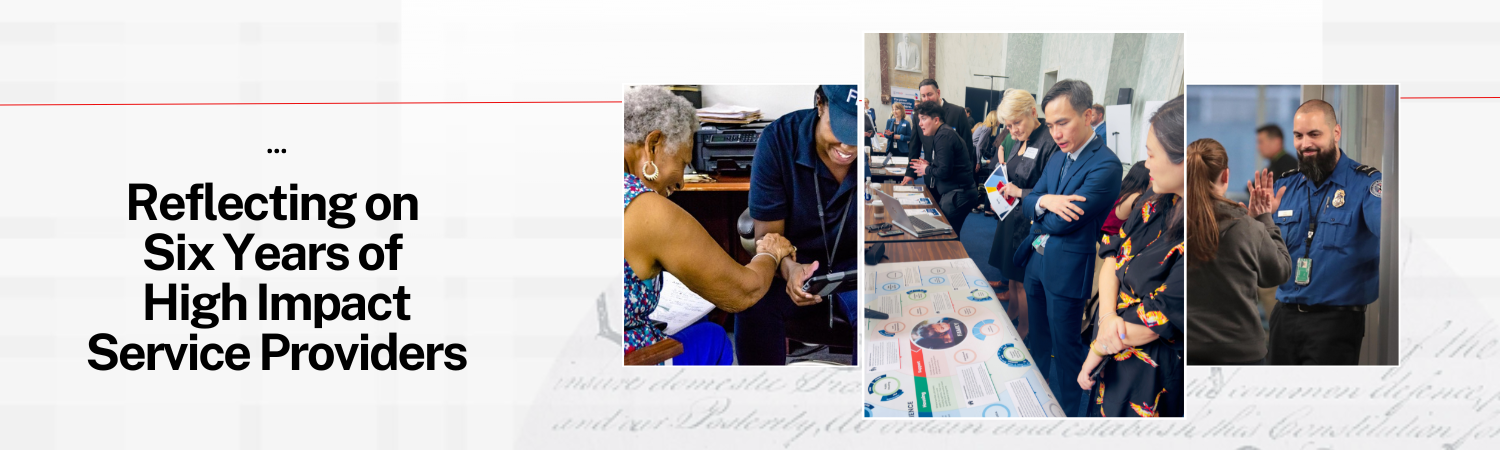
pixel 801 187
pixel 1329 211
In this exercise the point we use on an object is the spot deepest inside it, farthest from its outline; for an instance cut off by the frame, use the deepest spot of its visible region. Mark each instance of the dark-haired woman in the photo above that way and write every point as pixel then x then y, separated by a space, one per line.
pixel 1236 249
pixel 1137 182
pixel 1138 340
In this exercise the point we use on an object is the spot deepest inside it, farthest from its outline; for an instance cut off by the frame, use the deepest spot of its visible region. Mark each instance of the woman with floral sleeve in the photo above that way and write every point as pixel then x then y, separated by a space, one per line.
pixel 1135 365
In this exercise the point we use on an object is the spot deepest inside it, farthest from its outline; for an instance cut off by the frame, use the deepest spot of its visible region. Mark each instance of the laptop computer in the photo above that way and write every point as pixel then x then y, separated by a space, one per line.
pixel 921 225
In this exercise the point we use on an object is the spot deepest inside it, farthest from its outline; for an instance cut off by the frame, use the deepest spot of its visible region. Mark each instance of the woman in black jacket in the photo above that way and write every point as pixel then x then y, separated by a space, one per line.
pixel 950 172
pixel 1033 145
pixel 1240 252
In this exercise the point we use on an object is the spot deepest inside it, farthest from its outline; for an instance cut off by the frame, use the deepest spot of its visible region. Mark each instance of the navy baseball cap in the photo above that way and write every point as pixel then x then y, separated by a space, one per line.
pixel 843 109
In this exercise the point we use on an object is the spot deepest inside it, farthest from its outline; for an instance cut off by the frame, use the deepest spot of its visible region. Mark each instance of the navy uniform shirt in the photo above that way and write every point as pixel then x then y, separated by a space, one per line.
pixel 1345 249
pixel 782 174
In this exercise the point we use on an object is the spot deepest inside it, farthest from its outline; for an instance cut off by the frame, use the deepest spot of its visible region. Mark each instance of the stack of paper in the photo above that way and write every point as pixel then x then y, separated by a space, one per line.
pixel 729 114
pixel 679 306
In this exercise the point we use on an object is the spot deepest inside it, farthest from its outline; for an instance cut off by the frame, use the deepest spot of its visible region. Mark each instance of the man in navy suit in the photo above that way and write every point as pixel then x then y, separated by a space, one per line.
pixel 1067 208
pixel 1098 121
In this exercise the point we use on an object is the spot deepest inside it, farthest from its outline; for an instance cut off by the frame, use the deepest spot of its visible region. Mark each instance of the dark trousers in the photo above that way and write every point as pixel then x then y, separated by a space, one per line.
pixel 1055 339
pixel 760 332
pixel 1322 338
pixel 956 204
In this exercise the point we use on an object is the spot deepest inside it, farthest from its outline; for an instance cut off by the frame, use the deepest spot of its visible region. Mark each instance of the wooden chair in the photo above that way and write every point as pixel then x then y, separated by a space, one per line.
pixel 654 354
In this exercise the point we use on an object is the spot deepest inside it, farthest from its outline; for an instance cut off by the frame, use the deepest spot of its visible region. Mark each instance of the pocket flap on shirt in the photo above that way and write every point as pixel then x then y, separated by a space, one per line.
pixel 1335 218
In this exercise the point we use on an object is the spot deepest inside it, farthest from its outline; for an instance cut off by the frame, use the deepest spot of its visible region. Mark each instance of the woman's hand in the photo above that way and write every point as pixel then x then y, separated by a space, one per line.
pixel 1090 362
pixel 919 166
pixel 774 244
pixel 795 274
pixel 1262 199
pixel 1111 338
pixel 1010 190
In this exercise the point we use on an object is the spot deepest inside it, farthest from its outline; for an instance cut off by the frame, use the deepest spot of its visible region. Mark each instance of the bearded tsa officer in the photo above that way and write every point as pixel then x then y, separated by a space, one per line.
pixel 1329 212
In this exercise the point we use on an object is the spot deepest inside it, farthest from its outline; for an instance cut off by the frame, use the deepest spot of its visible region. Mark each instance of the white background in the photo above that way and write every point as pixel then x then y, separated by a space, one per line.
pixel 518 237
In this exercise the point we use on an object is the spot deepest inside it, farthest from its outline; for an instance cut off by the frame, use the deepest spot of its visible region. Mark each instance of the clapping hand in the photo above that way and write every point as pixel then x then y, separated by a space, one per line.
pixel 1262 199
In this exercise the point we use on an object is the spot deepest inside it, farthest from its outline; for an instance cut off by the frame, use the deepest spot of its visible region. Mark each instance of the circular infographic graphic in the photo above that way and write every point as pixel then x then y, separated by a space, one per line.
pixel 937 280
pixel 967 311
pixel 1013 356
pixel 917 295
pixel 986 328
pixel 888 388
pixel 980 295
pixel 965 356
pixel 894 327
pixel 937 270
pixel 939 334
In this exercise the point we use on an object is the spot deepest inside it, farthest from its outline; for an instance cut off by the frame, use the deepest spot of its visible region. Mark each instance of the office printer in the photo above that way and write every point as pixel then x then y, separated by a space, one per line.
pixel 726 148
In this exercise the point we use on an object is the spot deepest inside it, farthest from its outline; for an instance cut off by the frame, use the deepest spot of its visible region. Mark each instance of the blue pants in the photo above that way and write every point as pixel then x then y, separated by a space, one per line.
pixel 703 344
pixel 1055 339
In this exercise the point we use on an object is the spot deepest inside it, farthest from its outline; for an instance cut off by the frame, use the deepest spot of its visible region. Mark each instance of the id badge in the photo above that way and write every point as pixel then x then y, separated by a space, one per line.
pixel 1304 271
pixel 1040 243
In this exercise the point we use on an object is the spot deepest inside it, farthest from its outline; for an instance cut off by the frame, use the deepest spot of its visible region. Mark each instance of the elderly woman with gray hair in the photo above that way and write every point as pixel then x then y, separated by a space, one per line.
pixel 662 237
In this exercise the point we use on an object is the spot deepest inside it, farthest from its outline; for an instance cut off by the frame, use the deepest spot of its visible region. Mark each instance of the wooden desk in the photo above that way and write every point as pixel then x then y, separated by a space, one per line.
pixel 717 206
pixel 879 174
pixel 923 251
pixel 870 236
pixel 727 183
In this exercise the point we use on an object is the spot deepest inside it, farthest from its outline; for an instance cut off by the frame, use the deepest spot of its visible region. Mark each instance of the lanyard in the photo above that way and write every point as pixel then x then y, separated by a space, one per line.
pixel 1312 227
pixel 823 223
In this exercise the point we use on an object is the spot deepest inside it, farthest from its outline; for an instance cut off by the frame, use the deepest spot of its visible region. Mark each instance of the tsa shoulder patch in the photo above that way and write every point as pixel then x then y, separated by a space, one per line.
pixel 1288 173
pixel 1367 170
pixel 1375 188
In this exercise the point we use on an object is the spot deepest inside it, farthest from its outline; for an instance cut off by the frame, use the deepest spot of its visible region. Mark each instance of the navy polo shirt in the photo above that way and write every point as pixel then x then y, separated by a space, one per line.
pixel 782 178
pixel 1345 248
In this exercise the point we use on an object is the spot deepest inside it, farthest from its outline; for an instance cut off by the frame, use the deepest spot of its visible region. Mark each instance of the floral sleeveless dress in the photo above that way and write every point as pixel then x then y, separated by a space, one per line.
pixel 1146 381
pixel 640 295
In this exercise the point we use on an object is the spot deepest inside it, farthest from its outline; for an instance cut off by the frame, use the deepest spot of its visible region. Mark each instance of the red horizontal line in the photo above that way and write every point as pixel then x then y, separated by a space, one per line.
pixel 299 103
pixel 1439 98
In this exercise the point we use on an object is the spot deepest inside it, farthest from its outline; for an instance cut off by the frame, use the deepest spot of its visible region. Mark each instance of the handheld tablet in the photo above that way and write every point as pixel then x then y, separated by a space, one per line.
pixel 833 282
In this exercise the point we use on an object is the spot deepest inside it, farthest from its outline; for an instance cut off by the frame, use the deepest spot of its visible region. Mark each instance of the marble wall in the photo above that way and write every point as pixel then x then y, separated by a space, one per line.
pixel 962 55
pixel 1023 62
pixel 1124 68
pixel 872 78
pixel 1075 56
pixel 1160 79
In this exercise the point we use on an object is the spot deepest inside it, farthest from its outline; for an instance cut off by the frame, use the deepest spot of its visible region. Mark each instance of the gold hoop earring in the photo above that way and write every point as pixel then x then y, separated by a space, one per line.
pixel 655 171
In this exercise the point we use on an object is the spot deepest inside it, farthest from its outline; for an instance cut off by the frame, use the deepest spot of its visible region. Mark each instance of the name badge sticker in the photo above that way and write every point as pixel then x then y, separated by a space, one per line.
pixel 1031 152
pixel 1284 213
